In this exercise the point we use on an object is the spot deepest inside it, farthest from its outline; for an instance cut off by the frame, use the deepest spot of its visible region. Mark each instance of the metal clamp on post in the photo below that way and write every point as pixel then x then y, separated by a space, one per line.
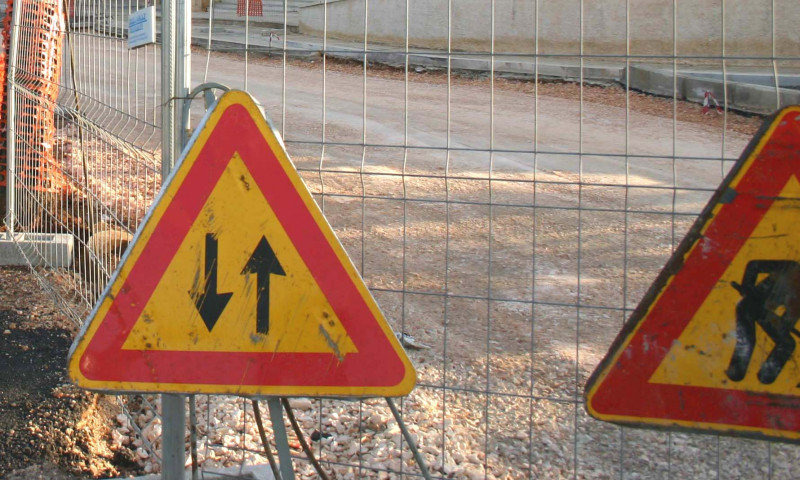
pixel 209 98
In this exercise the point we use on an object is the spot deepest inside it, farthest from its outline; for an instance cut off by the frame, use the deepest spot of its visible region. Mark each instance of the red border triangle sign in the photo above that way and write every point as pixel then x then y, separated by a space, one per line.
pixel 236 284
pixel 713 344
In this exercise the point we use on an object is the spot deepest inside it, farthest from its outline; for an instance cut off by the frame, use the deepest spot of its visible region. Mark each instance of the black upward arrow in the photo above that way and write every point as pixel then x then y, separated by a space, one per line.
pixel 209 303
pixel 264 264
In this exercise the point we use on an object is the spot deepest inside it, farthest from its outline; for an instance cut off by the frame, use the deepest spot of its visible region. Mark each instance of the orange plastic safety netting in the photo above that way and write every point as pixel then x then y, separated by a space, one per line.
pixel 250 8
pixel 6 37
pixel 39 70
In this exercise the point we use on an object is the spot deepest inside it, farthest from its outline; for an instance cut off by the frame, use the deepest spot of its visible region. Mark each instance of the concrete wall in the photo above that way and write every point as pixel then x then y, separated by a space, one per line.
pixel 699 25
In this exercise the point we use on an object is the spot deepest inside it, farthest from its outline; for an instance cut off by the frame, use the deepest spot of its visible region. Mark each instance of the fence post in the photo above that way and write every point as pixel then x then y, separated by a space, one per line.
pixel 175 83
pixel 175 78
pixel 168 64
pixel 183 73
pixel 11 135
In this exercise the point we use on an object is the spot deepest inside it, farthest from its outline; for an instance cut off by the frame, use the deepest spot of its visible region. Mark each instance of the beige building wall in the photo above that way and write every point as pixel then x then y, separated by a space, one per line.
pixel 200 5
pixel 606 26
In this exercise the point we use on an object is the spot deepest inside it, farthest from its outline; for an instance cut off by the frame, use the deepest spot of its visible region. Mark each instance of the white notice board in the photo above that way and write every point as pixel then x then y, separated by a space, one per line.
pixel 142 27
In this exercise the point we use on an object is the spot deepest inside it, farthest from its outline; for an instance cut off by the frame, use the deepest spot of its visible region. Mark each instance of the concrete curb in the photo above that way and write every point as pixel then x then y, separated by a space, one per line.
pixel 745 97
pixel 50 249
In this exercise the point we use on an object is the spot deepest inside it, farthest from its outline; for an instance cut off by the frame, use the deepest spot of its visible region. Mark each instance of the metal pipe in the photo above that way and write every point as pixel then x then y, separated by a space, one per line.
pixel 168 14
pixel 183 73
pixel 412 445
pixel 175 79
pixel 11 138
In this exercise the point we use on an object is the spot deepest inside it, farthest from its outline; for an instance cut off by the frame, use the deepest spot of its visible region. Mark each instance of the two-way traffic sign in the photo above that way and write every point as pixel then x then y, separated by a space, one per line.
pixel 235 283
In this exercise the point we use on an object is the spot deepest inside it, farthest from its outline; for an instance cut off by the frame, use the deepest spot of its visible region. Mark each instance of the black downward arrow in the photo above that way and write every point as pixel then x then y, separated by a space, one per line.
pixel 264 264
pixel 209 303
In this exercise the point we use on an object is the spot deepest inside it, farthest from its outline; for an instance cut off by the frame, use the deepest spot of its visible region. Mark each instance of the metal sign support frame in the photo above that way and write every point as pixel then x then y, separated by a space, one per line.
pixel 281 438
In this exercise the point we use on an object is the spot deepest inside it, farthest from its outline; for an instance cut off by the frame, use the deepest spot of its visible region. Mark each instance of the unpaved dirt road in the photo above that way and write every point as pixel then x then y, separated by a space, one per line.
pixel 511 122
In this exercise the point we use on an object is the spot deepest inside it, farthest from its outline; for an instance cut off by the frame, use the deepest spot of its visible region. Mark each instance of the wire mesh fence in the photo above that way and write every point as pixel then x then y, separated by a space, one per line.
pixel 84 133
pixel 508 176
pixel 84 137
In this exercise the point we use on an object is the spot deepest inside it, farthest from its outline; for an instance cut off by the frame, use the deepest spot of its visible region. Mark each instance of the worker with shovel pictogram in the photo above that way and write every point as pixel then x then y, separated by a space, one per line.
pixel 770 298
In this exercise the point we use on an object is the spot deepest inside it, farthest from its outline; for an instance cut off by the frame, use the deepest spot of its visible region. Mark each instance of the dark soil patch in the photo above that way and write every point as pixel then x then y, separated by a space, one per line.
pixel 48 428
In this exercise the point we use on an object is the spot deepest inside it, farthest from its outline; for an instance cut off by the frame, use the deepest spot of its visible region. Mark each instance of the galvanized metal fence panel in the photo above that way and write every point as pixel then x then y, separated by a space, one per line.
pixel 85 135
pixel 499 178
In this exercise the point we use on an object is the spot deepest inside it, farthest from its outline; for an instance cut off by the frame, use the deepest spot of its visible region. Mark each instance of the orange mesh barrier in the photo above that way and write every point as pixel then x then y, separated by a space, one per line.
pixel 6 38
pixel 39 69
pixel 254 6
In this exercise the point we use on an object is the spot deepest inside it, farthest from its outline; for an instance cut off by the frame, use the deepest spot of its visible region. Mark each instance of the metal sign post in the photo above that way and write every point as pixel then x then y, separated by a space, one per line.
pixel 173 441
pixel 175 82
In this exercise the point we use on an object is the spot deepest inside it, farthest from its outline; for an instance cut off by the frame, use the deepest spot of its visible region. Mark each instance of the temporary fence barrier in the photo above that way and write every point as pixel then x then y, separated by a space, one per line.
pixel 508 176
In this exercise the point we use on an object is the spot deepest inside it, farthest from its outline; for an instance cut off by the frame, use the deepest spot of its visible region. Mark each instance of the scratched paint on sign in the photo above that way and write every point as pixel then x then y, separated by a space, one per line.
pixel 301 318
